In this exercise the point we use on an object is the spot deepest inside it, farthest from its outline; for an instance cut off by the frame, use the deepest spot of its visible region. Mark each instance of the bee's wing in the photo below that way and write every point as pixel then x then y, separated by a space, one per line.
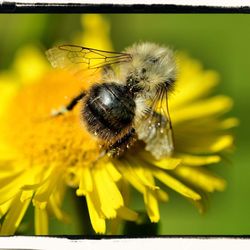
pixel 78 59
pixel 156 128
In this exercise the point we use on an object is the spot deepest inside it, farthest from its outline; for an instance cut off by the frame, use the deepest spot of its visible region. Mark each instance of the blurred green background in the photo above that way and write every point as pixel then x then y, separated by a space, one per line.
pixel 221 42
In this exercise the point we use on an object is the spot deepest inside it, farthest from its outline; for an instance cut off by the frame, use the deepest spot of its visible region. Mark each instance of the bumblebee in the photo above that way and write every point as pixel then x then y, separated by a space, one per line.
pixel 130 102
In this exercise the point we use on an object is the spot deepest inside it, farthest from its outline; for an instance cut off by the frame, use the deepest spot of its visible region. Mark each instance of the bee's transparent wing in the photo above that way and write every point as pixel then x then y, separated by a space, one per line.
pixel 66 56
pixel 156 128
pixel 83 62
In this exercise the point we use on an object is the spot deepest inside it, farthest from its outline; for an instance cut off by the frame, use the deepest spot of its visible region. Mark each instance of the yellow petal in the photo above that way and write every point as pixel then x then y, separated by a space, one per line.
pixel 32 181
pixel 176 185
pixel 33 186
pixel 130 177
pixel 223 143
pixel 86 184
pixel 10 176
pixel 72 176
pixel 55 209
pixel 151 205
pixel 43 192
pixel 124 187
pixel 165 163
pixel 144 176
pixel 206 126
pixel 11 189
pixel 109 194
pixel 205 144
pixel 96 32
pixel 127 214
pixel 137 168
pixel 4 208
pixel 201 204
pixel 116 176
pixel 150 200
pixel 40 204
pixel 26 195
pixel 27 71
pixel 193 81
pixel 201 178
pixel 7 91
pixel 195 160
pixel 98 223
pixel 41 222
pixel 161 195
pixel 229 123
pixel 198 110
pixel 14 216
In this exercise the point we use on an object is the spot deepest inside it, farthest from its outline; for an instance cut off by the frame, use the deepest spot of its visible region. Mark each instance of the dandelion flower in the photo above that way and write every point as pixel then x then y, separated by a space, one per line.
pixel 57 153
pixel 40 158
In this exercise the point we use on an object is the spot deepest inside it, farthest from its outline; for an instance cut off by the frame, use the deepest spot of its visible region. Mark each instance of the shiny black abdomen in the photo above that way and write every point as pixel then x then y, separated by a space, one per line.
pixel 108 110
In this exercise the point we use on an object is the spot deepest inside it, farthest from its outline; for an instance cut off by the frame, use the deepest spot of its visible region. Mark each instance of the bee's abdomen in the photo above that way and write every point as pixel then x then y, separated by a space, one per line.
pixel 108 110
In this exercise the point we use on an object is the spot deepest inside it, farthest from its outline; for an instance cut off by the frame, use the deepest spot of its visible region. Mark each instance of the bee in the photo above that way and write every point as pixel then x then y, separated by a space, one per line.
pixel 130 102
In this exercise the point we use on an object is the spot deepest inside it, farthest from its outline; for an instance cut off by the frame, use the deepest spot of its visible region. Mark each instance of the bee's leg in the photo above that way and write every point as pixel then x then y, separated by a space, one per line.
pixel 123 143
pixel 69 106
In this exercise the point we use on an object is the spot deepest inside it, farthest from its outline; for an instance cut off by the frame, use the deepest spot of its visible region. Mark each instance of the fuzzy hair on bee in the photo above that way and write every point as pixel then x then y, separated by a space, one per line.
pixel 131 100
pixel 151 65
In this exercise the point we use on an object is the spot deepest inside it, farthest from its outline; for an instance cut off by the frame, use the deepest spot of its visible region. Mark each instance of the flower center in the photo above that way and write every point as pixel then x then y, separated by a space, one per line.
pixel 43 139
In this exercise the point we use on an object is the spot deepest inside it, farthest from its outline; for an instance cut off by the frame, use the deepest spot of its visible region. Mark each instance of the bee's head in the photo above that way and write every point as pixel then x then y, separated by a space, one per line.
pixel 151 67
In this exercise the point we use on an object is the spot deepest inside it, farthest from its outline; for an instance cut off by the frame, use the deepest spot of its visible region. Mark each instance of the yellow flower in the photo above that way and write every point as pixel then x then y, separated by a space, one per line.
pixel 41 157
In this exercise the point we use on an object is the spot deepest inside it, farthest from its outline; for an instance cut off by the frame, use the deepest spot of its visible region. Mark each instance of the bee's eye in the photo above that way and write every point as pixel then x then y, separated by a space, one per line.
pixel 153 60
pixel 169 82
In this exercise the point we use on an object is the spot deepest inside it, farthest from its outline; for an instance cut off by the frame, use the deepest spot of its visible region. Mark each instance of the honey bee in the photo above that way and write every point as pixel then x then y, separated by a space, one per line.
pixel 131 100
